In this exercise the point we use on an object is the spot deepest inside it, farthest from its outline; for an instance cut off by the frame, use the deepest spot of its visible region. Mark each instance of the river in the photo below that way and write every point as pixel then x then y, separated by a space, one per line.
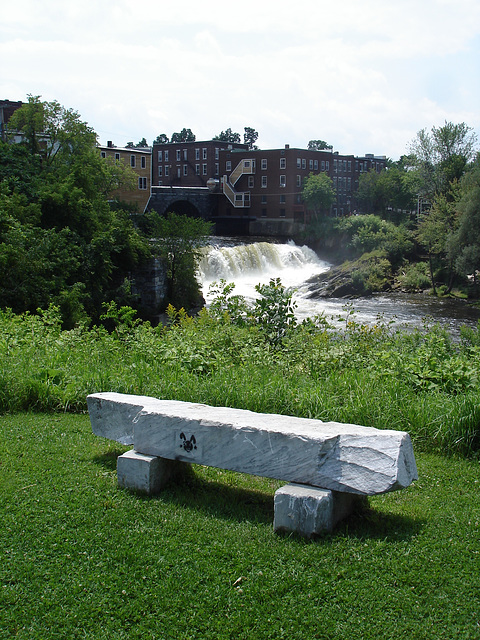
pixel 248 263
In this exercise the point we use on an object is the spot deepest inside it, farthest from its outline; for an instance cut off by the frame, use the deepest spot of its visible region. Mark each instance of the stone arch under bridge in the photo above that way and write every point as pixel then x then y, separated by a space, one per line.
pixel 196 202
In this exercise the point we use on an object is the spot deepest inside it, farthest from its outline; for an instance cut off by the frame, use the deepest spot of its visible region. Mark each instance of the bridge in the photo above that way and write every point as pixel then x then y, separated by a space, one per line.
pixel 197 202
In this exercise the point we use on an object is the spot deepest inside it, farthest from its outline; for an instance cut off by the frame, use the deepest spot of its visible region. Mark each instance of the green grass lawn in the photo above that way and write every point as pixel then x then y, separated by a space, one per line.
pixel 81 558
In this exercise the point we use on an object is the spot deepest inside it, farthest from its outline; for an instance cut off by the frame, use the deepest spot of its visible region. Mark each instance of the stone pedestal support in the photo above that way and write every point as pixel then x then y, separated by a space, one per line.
pixel 141 472
pixel 310 510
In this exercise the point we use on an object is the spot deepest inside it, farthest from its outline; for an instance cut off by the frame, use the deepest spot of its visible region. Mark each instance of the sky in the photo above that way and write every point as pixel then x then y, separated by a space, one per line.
pixel 363 75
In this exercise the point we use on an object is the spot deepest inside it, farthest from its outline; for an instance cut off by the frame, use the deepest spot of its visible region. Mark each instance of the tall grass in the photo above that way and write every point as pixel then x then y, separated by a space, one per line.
pixel 420 382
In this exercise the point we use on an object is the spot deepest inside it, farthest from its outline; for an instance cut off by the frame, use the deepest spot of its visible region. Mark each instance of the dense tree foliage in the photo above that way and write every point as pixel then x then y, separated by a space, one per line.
pixel 318 145
pixel 60 241
pixel 178 240
pixel 228 136
pixel 318 193
pixel 387 193
pixel 442 156
pixel 185 135
pixel 250 137
pixel 162 138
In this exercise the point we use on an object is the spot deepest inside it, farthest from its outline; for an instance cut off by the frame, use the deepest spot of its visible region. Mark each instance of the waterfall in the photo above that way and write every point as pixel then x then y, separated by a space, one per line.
pixel 252 263
pixel 256 263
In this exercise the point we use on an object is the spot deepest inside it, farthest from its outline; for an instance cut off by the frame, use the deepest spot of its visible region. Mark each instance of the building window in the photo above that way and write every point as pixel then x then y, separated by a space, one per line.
pixel 103 154
pixel 204 169
pixel 179 155
pixel 349 166
pixel 323 165
pixel 166 155
pixel 264 164
pixel 283 163
pixel 250 182
pixel 264 199
pixel 299 163
pixel 204 152
pixel 315 165
pixel 143 162
pixel 197 169
pixel 310 165
pixel 264 182
pixel 117 157
pixel 160 170
pixel 132 160
pixel 299 181
pixel 185 154
pixel 197 154
pixel 334 166
pixel 179 172
pixel 159 156
pixel 264 213
pixel 283 181
pixel 327 165
pixel 228 165
pixel 349 184
pixel 217 169
pixel 142 182
pixel 167 170
pixel 282 213
pixel 283 199
pixel 217 153
pixel 185 169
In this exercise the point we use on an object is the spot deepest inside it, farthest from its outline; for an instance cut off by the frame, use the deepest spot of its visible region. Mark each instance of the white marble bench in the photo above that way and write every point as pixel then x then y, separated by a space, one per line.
pixel 328 464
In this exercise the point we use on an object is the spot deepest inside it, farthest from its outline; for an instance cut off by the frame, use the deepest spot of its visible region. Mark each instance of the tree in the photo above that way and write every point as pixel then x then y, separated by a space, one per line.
pixel 466 243
pixel 441 156
pixel 60 241
pixel 185 135
pixel 162 138
pixel 51 131
pixel 228 136
pixel 433 232
pixel 319 145
pixel 387 193
pixel 178 240
pixel 318 193
pixel 142 144
pixel 250 137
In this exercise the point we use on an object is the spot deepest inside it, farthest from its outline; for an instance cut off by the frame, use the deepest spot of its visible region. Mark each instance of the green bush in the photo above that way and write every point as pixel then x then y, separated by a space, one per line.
pixel 414 276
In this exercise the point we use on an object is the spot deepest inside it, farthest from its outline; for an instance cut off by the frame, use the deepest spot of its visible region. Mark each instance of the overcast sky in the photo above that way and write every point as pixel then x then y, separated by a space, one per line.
pixel 363 75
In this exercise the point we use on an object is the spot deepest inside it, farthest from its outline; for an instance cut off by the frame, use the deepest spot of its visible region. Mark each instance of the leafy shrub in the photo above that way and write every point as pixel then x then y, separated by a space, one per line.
pixel 414 276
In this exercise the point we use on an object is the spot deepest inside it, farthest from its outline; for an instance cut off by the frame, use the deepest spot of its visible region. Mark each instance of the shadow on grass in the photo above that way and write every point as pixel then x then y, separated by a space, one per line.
pixel 368 523
pixel 240 504
pixel 108 459
pixel 219 499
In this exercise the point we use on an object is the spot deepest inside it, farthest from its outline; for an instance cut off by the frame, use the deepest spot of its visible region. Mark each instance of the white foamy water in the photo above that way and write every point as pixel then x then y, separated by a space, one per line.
pixel 250 264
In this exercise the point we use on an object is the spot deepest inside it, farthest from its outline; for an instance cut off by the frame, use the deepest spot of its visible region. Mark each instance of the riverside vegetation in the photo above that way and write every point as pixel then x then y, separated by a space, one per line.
pixel 83 559
pixel 256 358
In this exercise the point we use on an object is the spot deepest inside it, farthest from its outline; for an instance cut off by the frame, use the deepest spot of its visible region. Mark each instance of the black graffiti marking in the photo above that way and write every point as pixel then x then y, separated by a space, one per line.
pixel 188 445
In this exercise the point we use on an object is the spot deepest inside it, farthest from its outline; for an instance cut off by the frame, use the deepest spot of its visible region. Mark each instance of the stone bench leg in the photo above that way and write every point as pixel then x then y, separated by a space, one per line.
pixel 310 510
pixel 148 474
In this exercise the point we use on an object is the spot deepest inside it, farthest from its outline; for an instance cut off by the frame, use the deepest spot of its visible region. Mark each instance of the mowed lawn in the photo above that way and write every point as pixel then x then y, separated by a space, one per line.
pixel 81 558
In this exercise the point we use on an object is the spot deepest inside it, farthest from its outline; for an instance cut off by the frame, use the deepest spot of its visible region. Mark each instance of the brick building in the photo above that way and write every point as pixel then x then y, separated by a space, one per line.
pixel 252 192
pixel 7 109
pixel 140 161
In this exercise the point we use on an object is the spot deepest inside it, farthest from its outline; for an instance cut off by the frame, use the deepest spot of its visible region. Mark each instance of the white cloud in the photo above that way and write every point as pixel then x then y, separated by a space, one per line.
pixel 365 76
